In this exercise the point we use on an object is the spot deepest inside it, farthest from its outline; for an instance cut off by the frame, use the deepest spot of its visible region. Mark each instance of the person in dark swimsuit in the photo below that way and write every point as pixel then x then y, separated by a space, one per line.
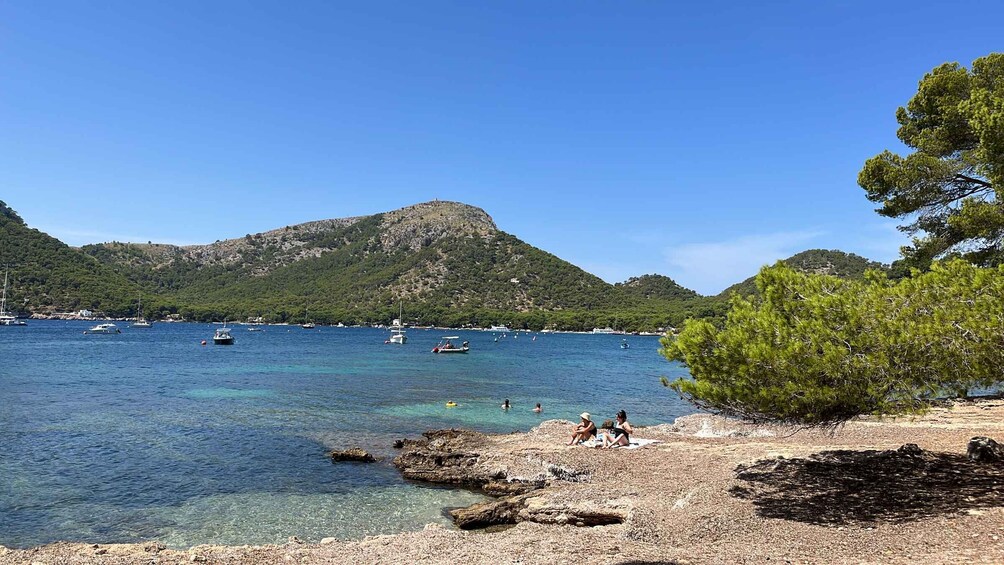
pixel 621 434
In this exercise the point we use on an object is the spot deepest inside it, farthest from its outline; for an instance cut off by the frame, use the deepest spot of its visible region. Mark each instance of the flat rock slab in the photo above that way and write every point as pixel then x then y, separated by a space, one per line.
pixel 353 454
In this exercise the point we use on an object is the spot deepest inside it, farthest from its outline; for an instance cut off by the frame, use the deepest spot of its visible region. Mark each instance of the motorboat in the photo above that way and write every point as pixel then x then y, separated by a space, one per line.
pixel 447 346
pixel 103 329
pixel 255 329
pixel 625 344
pixel 223 336
pixel 606 330
pixel 6 318
pixel 500 329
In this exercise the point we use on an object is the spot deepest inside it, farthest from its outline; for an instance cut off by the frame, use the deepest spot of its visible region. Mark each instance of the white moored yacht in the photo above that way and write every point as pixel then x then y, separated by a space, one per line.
pixel 6 318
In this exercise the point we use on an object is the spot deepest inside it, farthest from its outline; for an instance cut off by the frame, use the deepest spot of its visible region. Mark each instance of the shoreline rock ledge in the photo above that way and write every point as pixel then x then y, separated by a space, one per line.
pixel 528 489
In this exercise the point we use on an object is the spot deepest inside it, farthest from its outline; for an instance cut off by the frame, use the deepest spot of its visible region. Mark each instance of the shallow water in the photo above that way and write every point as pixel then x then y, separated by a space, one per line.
pixel 149 435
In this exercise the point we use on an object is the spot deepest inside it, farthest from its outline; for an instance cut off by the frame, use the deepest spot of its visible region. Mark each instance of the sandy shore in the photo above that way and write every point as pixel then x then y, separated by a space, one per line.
pixel 713 491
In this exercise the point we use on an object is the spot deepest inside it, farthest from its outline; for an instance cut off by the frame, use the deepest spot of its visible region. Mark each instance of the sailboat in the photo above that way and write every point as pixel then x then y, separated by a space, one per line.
pixel 397 329
pixel 6 318
pixel 140 322
pixel 307 323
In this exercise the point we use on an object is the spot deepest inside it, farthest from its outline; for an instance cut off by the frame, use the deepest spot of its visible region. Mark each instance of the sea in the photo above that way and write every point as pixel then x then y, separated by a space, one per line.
pixel 151 435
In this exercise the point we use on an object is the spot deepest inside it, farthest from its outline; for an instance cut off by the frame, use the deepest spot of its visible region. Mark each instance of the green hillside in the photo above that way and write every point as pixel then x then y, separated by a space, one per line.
pixel 48 276
pixel 446 262
pixel 818 261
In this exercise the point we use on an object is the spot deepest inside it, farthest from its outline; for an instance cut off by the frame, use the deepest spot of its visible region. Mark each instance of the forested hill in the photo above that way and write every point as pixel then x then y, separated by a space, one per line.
pixel 656 287
pixel 48 276
pixel 819 261
pixel 447 262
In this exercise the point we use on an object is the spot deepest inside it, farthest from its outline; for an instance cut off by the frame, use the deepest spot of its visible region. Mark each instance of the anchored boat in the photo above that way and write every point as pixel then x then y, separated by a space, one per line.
pixel 103 329
pixel 447 346
pixel 223 336
pixel 6 318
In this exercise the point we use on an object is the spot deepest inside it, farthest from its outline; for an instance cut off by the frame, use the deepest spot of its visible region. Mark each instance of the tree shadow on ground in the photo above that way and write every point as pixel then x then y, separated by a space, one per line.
pixel 864 487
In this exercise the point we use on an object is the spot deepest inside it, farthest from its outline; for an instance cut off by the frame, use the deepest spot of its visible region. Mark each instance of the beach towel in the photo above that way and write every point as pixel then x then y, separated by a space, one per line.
pixel 639 443
pixel 635 443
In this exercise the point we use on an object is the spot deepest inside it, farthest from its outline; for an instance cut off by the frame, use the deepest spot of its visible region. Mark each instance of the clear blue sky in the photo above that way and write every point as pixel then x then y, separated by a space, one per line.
pixel 697 140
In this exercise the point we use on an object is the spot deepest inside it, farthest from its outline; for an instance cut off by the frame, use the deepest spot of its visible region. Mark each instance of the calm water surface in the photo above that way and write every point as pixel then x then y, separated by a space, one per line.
pixel 148 435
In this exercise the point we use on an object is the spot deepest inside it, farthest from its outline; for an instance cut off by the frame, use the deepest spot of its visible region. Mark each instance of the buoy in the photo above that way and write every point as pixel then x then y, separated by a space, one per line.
pixel 203 342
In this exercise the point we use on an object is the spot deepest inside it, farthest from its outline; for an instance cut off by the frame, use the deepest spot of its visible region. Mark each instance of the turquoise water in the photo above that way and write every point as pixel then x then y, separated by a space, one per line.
pixel 150 435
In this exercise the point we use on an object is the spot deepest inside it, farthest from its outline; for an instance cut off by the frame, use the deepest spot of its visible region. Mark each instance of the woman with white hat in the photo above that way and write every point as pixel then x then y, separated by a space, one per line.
pixel 584 431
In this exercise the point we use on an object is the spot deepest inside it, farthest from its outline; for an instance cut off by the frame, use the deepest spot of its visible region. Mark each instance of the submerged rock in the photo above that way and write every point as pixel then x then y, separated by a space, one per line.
pixel 354 454
pixel 984 449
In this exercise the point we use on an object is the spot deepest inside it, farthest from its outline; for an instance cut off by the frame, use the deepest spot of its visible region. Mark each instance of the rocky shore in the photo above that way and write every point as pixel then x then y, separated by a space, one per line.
pixel 711 491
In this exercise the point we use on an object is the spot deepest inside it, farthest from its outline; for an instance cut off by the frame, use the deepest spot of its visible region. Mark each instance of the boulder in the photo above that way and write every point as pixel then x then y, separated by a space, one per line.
pixel 910 450
pixel 984 450
pixel 354 454
pixel 485 514
pixel 445 456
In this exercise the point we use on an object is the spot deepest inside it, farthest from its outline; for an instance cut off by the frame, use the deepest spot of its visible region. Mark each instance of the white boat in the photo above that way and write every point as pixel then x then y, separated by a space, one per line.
pixel 625 344
pixel 447 346
pixel 501 329
pixel 6 318
pixel 607 330
pixel 255 329
pixel 103 329
pixel 307 324
pixel 222 336
pixel 397 329
pixel 140 322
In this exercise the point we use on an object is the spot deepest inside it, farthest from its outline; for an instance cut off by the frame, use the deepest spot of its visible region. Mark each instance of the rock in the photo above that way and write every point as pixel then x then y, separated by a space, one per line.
pixel 354 454
pixel 326 541
pixel 984 450
pixel 910 450
pixel 502 488
pixel 445 456
pixel 491 513
pixel 398 443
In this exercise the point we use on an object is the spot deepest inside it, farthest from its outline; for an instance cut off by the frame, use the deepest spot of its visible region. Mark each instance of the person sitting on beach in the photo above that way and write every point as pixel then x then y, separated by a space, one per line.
pixel 586 430
pixel 537 408
pixel 621 434
pixel 505 405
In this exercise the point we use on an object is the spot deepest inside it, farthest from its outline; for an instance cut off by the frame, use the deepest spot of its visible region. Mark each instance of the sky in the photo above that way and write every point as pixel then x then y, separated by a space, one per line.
pixel 696 140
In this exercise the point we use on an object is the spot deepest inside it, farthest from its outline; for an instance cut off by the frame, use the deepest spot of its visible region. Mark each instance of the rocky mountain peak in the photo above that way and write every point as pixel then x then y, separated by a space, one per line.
pixel 417 226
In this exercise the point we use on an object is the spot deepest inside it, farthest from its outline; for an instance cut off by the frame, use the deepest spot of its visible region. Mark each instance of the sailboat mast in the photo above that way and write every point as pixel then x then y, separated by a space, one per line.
pixel 3 301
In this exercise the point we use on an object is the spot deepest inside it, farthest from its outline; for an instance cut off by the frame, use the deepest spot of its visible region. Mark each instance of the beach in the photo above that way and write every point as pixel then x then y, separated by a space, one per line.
pixel 711 491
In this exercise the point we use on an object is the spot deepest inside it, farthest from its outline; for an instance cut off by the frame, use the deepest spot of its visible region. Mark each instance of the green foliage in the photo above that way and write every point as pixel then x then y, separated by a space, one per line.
pixel 948 188
pixel 818 350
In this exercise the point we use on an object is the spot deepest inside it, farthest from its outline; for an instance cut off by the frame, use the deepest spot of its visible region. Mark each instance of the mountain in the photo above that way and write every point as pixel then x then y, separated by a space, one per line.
pixel 446 261
pixel 819 261
pixel 49 276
